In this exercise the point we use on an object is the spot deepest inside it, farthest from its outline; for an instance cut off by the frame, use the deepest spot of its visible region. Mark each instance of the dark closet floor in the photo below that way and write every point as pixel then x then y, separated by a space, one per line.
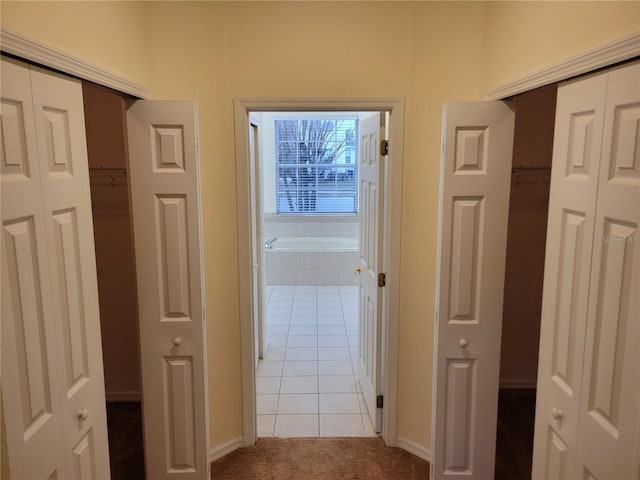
pixel 514 444
pixel 126 451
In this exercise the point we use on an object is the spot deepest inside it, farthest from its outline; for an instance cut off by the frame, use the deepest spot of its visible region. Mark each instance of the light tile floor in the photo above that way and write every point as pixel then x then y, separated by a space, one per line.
pixel 306 384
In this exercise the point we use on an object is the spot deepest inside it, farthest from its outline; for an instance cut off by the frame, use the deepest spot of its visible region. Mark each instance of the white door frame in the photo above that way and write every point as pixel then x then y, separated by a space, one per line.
pixel 393 187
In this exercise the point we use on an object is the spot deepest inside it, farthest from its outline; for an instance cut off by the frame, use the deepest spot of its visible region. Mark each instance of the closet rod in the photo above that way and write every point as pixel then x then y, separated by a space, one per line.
pixel 108 176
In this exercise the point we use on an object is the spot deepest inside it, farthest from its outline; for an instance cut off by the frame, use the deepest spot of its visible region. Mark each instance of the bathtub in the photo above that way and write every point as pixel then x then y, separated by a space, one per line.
pixel 313 244
pixel 311 260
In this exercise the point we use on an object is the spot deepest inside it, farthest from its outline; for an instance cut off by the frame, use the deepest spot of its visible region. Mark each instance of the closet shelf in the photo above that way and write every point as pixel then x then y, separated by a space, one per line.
pixel 108 176
pixel 530 175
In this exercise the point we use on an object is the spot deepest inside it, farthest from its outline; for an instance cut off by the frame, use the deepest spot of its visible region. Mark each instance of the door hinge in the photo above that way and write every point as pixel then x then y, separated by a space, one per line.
pixel 379 401
pixel 382 279
pixel 431 470
pixel 384 147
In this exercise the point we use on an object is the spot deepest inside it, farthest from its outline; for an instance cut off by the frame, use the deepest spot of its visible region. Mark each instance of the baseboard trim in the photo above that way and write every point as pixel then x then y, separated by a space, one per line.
pixel 517 383
pixel 221 450
pixel 123 396
pixel 412 447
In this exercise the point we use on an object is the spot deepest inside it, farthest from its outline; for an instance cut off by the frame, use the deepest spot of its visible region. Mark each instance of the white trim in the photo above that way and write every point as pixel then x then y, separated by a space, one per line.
pixel 225 449
pixel 242 107
pixel 27 48
pixel 617 51
pixel 123 396
pixel 416 449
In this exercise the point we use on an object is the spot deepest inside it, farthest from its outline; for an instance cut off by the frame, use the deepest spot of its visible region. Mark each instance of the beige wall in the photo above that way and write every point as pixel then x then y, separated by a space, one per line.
pixel 522 37
pixel 426 52
pixel 112 35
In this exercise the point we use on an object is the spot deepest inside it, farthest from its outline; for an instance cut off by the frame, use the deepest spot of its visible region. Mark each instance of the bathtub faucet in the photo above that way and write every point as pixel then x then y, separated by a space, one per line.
pixel 269 243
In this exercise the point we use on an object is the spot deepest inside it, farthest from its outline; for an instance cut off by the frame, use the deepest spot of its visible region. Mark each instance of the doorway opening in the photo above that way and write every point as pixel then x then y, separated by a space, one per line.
pixel 107 149
pixel 524 272
pixel 300 178
pixel 308 209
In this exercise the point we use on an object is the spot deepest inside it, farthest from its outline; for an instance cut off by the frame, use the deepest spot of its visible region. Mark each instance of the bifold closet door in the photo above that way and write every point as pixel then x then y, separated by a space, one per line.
pixel 572 205
pixel 52 377
pixel 610 398
pixel 587 423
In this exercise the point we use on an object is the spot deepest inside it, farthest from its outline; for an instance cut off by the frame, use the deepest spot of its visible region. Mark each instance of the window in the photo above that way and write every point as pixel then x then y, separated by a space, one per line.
pixel 316 166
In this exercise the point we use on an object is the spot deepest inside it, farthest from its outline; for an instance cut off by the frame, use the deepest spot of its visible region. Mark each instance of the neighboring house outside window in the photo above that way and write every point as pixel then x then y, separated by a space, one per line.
pixel 316 166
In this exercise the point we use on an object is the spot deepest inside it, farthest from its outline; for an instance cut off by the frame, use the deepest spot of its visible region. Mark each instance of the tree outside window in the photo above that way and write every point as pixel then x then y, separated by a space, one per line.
pixel 316 162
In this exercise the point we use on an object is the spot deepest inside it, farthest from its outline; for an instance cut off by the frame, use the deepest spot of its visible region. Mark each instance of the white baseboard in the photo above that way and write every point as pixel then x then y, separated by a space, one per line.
pixel 518 383
pixel 123 396
pixel 412 447
pixel 221 450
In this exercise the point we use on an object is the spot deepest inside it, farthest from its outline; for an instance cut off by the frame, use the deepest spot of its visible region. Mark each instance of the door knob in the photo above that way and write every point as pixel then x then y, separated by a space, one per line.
pixel 357 270
pixel 83 413
pixel 557 414
pixel 177 341
pixel 463 343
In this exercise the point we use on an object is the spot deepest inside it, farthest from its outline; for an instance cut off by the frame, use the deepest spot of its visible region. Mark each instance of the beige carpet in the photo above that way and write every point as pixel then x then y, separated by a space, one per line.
pixel 319 459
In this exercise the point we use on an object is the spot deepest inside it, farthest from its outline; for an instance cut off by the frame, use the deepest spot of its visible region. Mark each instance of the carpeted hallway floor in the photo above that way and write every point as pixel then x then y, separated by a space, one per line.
pixel 320 459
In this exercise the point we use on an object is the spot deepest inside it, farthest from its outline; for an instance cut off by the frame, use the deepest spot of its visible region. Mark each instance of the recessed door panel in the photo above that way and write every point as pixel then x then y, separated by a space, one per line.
pixel 25 278
pixel 465 268
pixel 178 375
pixel 459 416
pixel 13 151
pixel 84 458
pixel 71 299
pixel 171 221
pixel 571 244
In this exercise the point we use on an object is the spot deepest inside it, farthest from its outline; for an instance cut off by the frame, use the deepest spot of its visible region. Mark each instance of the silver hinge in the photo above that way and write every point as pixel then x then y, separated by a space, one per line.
pixel 384 148
pixel 431 470
pixel 437 317
pixel 379 401
pixel 382 279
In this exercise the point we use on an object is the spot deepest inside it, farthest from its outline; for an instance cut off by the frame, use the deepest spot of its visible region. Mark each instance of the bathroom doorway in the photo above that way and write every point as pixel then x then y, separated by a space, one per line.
pixel 301 183
pixel 306 190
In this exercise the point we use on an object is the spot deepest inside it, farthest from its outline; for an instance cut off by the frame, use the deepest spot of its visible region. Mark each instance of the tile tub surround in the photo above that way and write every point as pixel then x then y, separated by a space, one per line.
pixel 306 384
pixel 310 268
pixel 310 226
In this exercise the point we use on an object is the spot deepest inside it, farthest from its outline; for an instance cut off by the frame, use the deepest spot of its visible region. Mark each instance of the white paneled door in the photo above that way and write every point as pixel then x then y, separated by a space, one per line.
pixel 474 204
pixel 165 193
pixel 587 417
pixel 371 181
pixel 572 204
pixel 52 377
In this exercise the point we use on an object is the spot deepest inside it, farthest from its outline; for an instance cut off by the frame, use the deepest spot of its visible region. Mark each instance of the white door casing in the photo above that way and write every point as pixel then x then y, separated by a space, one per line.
pixel 474 203
pixel 50 283
pixel 165 197
pixel 588 384
pixel 371 183
pixel 572 203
